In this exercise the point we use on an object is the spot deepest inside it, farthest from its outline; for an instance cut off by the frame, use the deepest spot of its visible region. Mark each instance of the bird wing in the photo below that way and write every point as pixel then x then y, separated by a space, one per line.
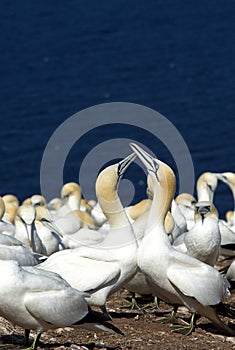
pixel 196 279
pixel 60 308
pixel 95 274
pixel 179 243
pixel 83 273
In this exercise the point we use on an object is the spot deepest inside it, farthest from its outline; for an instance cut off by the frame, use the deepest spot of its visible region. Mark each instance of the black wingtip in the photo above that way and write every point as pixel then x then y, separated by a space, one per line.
pixel 225 310
pixel 114 328
pixel 99 318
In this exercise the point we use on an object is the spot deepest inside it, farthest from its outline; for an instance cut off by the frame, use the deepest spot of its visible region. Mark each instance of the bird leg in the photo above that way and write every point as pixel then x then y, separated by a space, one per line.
pixel 26 336
pixel 170 318
pixel 134 305
pixel 105 312
pixel 188 329
pixel 154 305
pixel 35 342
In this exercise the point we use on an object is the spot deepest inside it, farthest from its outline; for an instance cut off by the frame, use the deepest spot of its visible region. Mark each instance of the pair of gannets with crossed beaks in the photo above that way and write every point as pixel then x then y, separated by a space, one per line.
pixel 41 300
pixel 175 277
pixel 104 268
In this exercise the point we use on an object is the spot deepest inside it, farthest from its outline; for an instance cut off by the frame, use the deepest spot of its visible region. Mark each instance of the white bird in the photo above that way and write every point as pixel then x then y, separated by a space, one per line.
pixel 54 205
pixel 206 186
pixel 40 300
pixel 11 198
pixel 5 225
pixel 37 200
pixel 184 203
pixel 71 195
pixel 175 277
pixel 203 240
pixel 25 228
pixel 51 240
pixel 229 179
pixel 69 218
pixel 106 267
pixel 98 215
pixel 230 275
pixel 12 249
pixel 227 230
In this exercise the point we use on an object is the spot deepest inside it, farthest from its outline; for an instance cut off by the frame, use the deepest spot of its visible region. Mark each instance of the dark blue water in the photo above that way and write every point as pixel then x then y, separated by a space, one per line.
pixel 57 58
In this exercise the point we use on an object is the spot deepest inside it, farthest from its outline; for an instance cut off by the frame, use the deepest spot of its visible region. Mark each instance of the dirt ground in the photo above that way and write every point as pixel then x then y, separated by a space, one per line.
pixel 142 331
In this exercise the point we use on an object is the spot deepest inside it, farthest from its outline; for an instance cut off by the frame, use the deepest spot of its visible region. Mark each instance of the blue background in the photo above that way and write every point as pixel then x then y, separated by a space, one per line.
pixel 57 58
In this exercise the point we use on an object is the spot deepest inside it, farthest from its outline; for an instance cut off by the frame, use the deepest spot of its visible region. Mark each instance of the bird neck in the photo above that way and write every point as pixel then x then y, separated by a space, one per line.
pixel 113 209
pixel 162 199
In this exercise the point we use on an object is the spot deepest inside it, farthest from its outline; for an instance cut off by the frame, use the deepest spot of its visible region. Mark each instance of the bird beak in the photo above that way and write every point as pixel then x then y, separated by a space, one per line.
pixel 203 211
pixel 63 201
pixel 221 177
pixel 30 228
pixel 124 164
pixel 50 225
pixel 150 163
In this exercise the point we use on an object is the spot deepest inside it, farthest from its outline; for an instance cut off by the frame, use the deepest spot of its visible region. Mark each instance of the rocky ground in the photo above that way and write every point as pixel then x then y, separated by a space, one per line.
pixel 142 331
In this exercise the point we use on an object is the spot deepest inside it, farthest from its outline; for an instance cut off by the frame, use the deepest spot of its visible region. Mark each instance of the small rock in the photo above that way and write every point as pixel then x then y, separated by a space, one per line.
pixel 221 337
pixel 230 340
pixel 137 339
pixel 75 347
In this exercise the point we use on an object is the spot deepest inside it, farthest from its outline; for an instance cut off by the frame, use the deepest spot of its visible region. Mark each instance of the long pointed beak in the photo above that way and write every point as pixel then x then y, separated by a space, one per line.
pixel 30 231
pixel 124 164
pixel 221 177
pixel 203 210
pixel 145 158
pixel 48 224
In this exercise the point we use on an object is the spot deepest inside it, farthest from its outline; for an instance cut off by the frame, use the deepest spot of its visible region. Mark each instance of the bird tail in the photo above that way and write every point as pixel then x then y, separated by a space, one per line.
pixel 95 320
pixel 212 314
pixel 225 310
pixel 107 327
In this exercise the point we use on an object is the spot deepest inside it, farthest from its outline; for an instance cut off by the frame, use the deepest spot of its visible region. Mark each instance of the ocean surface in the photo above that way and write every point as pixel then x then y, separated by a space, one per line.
pixel 58 58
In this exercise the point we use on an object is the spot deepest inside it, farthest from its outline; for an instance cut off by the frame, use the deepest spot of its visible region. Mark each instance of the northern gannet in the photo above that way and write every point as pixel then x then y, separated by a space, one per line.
pixel 38 200
pixel 227 231
pixel 71 195
pixel 103 268
pixel 5 226
pixel 70 217
pixel 203 240
pixel 11 204
pixel 175 277
pixel 206 186
pixel 25 228
pixel 185 202
pixel 51 240
pixel 11 198
pixel 229 179
pixel 229 217
pixel 43 300
pixel 12 249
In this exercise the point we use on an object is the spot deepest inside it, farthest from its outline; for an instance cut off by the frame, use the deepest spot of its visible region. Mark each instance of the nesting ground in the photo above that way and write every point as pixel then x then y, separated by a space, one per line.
pixel 141 332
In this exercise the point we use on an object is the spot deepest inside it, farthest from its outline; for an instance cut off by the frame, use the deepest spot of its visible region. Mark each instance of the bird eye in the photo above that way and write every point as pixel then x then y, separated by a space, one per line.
pixel 44 220
pixel 210 187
